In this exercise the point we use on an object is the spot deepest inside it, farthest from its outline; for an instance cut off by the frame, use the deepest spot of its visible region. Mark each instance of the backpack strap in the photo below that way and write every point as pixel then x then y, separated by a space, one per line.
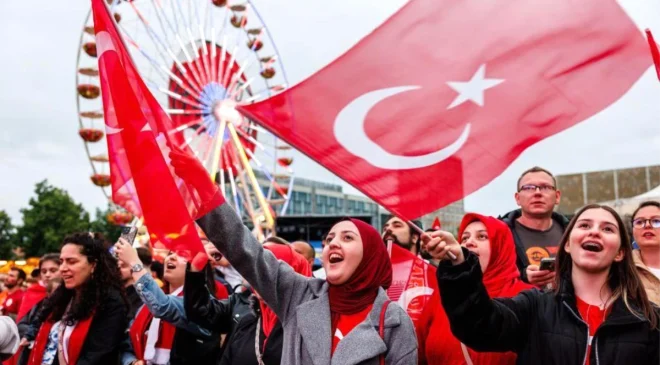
pixel 381 327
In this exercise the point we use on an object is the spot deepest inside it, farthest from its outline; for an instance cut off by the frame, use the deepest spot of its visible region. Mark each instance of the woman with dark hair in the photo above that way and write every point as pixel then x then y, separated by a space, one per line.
pixel 161 332
pixel 254 333
pixel 345 319
pixel 646 231
pixel 598 312
pixel 84 320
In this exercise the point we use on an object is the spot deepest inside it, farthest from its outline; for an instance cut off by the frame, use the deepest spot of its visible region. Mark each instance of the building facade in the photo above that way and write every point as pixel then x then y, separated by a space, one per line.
pixel 317 198
pixel 602 186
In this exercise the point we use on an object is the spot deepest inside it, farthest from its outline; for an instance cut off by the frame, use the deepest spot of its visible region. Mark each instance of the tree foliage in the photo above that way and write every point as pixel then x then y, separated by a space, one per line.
pixel 100 224
pixel 7 235
pixel 50 216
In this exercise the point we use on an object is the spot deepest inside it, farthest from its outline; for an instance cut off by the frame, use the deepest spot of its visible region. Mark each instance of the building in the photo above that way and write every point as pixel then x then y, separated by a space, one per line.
pixel 321 199
pixel 603 186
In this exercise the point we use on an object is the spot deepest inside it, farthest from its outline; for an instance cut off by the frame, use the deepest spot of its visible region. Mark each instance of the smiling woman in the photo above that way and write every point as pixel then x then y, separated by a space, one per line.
pixel 598 312
pixel 347 319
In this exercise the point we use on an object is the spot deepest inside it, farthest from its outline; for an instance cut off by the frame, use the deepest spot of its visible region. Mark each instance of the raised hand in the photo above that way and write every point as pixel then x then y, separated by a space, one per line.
pixel 538 277
pixel 126 253
pixel 439 243
pixel 191 170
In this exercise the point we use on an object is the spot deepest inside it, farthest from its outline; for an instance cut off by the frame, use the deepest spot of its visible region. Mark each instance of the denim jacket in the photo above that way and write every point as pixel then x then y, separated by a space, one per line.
pixel 166 307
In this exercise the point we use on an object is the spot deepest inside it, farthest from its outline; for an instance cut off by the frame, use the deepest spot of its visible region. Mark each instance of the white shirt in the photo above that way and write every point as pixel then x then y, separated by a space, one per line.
pixel 655 272
pixel 231 275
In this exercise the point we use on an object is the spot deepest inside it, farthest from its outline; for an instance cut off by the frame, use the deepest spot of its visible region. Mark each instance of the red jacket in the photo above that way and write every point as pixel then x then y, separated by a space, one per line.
pixel 33 295
pixel 437 345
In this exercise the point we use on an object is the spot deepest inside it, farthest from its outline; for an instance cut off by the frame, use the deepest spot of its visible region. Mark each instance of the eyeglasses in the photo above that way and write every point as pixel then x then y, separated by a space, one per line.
pixel 640 223
pixel 531 188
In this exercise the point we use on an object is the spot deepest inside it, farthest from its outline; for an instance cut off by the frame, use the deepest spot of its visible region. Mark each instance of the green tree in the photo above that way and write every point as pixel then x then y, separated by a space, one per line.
pixel 52 215
pixel 100 224
pixel 7 235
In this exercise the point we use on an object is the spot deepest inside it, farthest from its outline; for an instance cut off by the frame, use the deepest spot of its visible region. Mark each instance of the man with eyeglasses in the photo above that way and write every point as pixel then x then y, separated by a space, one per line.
pixel 536 228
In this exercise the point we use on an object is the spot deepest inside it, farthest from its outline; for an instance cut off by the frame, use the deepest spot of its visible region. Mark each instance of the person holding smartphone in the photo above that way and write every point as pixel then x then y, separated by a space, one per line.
pixel 597 313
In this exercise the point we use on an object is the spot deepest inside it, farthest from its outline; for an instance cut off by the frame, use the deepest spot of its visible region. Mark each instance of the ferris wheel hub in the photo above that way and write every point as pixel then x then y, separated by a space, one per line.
pixel 226 110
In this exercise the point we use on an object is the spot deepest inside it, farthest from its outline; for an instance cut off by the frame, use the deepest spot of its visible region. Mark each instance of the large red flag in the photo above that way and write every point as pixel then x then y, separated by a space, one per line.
pixel 443 96
pixel 413 281
pixel 138 138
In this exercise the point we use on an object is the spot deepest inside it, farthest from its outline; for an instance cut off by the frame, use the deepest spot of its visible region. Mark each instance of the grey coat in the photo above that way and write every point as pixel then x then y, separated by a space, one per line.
pixel 303 306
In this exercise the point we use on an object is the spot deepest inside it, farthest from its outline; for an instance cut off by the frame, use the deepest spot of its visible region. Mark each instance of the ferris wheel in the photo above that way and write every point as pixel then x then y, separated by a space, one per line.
pixel 200 58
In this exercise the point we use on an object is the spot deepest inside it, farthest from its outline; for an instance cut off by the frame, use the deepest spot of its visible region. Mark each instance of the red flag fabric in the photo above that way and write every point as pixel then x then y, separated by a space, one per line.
pixel 413 281
pixel 445 86
pixel 138 137
pixel 655 53
pixel 436 224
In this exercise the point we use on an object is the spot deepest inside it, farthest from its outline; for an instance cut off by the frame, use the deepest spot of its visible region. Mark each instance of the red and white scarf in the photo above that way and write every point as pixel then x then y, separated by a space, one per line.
pixel 152 338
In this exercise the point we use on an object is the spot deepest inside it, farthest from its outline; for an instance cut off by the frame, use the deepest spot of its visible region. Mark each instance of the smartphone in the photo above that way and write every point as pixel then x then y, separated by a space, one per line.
pixel 128 233
pixel 548 264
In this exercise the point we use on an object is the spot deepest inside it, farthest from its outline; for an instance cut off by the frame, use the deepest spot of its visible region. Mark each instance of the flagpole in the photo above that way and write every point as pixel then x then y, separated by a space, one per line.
pixel 421 233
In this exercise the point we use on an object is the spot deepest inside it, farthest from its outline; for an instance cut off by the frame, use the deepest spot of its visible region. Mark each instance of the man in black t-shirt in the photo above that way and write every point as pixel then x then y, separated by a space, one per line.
pixel 536 228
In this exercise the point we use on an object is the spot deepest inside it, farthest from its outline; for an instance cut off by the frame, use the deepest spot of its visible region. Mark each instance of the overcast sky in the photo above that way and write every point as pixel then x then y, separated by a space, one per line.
pixel 39 138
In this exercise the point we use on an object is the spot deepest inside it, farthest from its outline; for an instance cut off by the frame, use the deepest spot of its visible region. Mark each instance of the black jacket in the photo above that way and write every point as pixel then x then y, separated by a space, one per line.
pixel 521 255
pixel 134 302
pixel 106 332
pixel 236 316
pixel 190 349
pixel 543 328
pixel 24 332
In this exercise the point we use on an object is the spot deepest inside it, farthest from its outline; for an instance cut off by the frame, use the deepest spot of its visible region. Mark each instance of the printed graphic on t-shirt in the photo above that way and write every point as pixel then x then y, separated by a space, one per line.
pixel 535 254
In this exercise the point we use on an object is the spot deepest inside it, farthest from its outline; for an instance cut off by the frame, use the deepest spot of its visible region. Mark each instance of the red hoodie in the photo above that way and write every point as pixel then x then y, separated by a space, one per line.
pixel 437 345
pixel 33 295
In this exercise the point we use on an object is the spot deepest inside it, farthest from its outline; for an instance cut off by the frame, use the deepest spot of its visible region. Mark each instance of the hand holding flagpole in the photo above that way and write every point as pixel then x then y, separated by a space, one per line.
pixel 442 245
pixel 425 237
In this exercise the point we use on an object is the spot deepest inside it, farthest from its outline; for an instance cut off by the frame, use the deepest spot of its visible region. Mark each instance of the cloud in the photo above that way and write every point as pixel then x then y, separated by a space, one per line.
pixel 38 125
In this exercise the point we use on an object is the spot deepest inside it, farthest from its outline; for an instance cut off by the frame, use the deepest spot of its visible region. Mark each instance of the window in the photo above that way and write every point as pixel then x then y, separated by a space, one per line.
pixel 332 202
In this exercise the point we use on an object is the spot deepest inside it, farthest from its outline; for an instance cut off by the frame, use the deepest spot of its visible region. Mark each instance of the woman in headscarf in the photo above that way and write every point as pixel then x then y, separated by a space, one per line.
pixel 345 319
pixel 491 241
pixel 229 316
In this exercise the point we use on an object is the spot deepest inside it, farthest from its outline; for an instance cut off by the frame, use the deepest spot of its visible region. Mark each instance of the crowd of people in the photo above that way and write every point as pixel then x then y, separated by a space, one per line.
pixel 501 297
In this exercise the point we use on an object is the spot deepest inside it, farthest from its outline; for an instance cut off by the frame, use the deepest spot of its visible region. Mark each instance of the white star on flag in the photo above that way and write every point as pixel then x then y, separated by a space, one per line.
pixel 473 90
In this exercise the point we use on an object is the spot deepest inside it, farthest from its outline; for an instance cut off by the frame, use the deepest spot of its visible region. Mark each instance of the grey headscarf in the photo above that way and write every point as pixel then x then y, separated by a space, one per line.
pixel 9 338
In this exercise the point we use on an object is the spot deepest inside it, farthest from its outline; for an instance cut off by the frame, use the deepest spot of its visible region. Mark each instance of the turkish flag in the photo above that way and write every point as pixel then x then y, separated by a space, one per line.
pixel 413 281
pixel 138 135
pixel 443 96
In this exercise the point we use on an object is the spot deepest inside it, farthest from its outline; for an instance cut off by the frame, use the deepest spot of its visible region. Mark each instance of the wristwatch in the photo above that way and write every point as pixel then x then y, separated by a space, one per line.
pixel 137 268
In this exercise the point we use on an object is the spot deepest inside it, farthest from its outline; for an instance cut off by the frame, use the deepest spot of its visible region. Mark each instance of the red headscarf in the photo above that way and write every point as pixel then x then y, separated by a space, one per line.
pixel 501 278
pixel 374 271
pixel 299 265
pixel 437 345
